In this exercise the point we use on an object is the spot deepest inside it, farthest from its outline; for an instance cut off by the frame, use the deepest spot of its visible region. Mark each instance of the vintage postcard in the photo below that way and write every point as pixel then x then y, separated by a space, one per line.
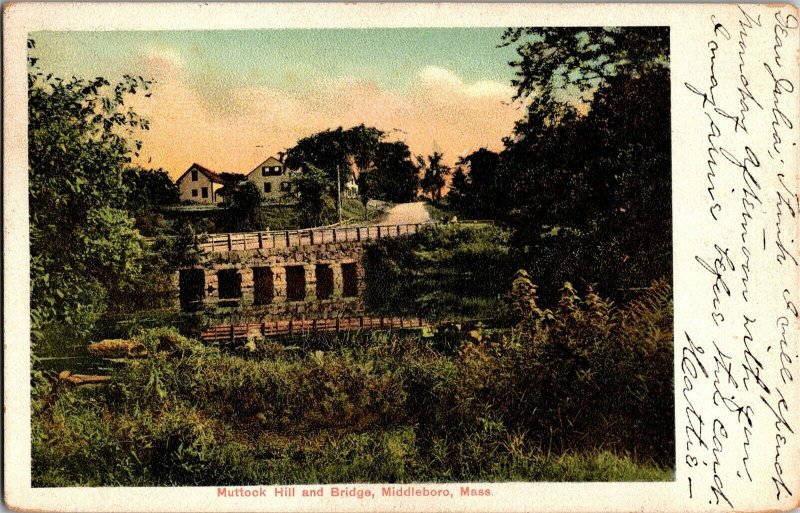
pixel 401 257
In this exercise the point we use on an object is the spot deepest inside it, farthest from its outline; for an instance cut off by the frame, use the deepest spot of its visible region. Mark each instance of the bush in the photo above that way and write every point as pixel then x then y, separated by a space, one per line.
pixel 581 392
pixel 450 272
pixel 591 374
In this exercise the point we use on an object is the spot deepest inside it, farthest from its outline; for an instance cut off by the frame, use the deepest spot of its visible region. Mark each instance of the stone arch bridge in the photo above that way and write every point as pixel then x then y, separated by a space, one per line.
pixel 314 273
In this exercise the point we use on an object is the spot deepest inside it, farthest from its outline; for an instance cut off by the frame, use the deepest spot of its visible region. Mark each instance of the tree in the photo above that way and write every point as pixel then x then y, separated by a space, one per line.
pixel 148 188
pixel 486 195
pixel 396 176
pixel 433 179
pixel 459 191
pixel 560 67
pixel 82 240
pixel 587 171
pixel 230 183
pixel 337 152
pixel 363 143
pixel 312 189
pixel 629 123
pixel 146 191
pixel 243 207
pixel 366 189
pixel 326 151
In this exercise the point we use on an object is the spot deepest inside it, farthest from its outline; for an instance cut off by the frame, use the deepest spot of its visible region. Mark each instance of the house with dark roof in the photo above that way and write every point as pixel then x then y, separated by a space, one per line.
pixel 200 184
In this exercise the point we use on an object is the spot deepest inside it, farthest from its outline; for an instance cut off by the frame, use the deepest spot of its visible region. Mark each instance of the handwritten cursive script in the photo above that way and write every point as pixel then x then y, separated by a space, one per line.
pixel 738 360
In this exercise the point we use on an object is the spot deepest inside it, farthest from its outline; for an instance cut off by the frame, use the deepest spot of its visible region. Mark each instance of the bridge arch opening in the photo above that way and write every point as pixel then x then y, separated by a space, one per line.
pixel 263 285
pixel 295 283
pixel 324 276
pixel 192 284
pixel 230 284
pixel 349 280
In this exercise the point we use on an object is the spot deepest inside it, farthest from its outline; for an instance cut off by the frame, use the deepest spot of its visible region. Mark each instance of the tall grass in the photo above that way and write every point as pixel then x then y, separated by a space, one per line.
pixel 582 392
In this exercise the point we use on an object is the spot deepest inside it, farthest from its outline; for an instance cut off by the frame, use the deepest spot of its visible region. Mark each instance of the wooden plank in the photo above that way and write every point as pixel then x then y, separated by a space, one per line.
pixel 303 326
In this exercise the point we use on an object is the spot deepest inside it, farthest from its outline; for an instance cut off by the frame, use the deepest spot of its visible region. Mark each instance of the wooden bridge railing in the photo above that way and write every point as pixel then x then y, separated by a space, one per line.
pixel 307 326
pixel 291 238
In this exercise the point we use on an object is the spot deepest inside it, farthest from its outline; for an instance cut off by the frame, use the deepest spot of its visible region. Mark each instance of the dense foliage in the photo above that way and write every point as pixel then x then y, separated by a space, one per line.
pixel 242 208
pixel 585 181
pixel 387 407
pixel 363 152
pixel 82 239
pixel 313 194
pixel 451 272
pixel 148 189
pixel 434 174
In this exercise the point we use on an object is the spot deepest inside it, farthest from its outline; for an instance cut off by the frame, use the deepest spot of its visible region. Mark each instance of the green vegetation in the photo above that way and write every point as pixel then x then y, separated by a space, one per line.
pixel 438 212
pixel 552 381
pixel 82 241
pixel 313 193
pixel 451 272
pixel 434 174
pixel 383 407
pixel 591 159
pixel 384 167
pixel 353 210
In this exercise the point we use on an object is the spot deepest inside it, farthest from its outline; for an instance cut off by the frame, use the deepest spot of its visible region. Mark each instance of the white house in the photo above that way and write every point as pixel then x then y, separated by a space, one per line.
pixel 200 184
pixel 350 187
pixel 272 178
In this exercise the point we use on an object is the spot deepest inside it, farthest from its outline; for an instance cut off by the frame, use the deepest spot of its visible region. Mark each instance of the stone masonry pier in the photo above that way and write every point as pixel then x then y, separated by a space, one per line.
pixel 283 275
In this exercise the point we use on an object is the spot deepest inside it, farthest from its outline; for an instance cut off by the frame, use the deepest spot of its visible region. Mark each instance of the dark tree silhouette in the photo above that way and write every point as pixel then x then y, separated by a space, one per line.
pixel 434 173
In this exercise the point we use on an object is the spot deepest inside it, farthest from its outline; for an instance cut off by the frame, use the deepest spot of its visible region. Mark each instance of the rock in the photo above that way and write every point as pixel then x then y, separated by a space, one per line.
pixel 118 348
pixel 81 379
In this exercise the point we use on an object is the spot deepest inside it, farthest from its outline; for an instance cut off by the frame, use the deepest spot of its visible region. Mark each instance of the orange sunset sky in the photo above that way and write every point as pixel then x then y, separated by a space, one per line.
pixel 229 99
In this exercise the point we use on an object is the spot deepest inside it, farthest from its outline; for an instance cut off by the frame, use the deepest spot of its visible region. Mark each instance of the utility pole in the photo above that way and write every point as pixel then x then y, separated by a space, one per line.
pixel 339 191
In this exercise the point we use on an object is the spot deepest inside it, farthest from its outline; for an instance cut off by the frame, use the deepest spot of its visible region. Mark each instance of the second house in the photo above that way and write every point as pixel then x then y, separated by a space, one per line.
pixel 271 177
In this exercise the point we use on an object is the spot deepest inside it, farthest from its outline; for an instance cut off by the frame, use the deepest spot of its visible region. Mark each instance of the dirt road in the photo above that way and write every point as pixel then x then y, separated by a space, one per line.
pixel 406 213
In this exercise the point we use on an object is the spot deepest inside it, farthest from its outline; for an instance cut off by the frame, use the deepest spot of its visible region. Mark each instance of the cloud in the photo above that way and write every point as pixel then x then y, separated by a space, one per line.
pixel 161 62
pixel 445 81
pixel 438 109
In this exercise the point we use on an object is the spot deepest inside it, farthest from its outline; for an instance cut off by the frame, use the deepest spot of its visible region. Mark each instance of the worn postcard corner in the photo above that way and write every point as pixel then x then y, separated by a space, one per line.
pixel 401 257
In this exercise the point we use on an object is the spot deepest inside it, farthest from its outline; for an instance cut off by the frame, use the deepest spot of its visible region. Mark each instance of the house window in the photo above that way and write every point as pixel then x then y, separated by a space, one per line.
pixel 267 187
pixel 276 170
pixel 205 192
pixel 194 175
pixel 284 186
pixel 194 193
pixel 264 171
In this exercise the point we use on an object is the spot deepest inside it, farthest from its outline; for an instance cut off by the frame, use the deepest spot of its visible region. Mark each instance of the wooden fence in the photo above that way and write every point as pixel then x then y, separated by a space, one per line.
pixel 291 238
pixel 307 326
